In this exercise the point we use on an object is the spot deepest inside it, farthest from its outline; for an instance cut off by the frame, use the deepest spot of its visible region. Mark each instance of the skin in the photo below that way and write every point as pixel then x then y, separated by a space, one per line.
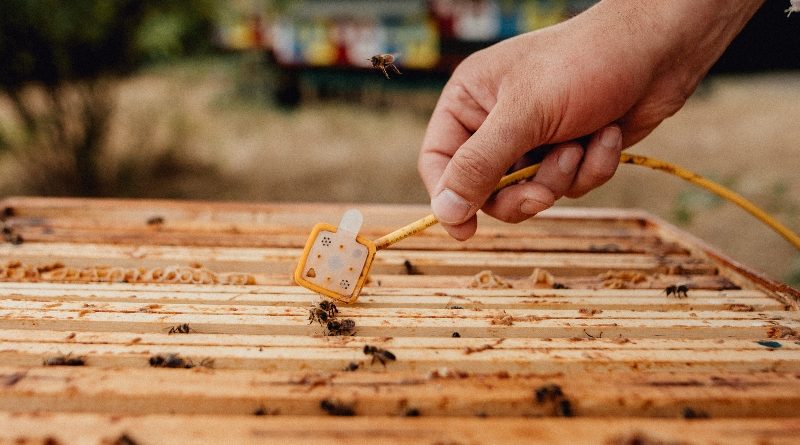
pixel 608 76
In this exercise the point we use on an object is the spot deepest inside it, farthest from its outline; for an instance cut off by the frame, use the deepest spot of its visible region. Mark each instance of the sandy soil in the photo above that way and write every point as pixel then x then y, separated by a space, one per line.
pixel 742 131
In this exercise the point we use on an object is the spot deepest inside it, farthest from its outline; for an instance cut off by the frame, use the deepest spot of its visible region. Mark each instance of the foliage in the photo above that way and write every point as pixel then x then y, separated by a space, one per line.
pixel 61 60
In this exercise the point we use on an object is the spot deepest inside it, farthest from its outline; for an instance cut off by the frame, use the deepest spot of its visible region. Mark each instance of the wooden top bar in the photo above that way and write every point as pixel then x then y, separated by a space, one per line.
pixel 558 330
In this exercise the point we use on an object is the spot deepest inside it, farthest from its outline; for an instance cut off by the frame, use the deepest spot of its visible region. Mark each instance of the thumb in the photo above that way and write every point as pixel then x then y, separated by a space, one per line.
pixel 477 166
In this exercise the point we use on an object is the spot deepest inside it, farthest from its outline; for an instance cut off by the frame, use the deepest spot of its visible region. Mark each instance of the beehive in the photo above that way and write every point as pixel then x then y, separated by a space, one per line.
pixel 566 332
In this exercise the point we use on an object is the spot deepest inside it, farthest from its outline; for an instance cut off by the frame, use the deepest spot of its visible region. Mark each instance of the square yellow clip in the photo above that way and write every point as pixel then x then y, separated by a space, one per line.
pixel 335 261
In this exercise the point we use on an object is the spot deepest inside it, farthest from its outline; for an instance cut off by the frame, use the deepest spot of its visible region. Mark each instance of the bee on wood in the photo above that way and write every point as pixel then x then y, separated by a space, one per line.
pixel 456 335
pixel 680 290
pixel 345 327
pixel 336 408
pixel 170 361
pixel 384 61
pixel 558 285
pixel 564 408
pixel 329 307
pixel 64 360
pixel 180 329
pixel 690 413
pixel 322 312
pixel 124 439
pixel 379 354
pixel 411 412
pixel 547 393
pixel 155 221
pixel 318 315
pixel 352 366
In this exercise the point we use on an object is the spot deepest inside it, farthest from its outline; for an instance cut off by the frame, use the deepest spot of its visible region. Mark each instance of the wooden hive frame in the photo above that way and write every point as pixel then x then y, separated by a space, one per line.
pixel 570 339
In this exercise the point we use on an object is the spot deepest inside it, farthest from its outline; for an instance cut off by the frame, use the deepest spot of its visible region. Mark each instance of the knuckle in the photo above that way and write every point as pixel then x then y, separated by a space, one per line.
pixel 472 169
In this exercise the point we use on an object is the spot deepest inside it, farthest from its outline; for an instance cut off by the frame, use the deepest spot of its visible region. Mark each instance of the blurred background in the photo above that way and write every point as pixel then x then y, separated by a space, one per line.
pixel 259 100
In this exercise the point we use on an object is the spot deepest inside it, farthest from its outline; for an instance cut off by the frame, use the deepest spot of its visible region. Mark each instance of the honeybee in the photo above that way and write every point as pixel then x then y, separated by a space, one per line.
pixel 329 307
pixel 64 360
pixel 345 327
pixel 318 315
pixel 322 312
pixel 379 354
pixel 384 61
pixel 680 291
pixel 180 329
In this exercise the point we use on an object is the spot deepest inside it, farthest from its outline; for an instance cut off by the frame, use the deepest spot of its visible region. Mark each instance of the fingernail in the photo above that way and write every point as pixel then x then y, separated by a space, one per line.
pixel 450 208
pixel 569 158
pixel 610 137
pixel 532 206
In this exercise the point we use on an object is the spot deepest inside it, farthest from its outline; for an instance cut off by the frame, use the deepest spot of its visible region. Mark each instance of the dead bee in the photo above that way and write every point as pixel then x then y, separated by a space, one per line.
pixel 680 290
pixel 64 360
pixel 180 329
pixel 170 361
pixel 456 335
pixel 384 61
pixel 155 221
pixel 558 285
pixel 345 327
pixel 546 393
pixel 335 408
pixel 379 354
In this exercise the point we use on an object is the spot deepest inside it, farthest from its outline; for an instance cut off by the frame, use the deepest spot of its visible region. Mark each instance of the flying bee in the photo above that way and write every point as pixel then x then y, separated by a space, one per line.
pixel 344 327
pixel 384 61
pixel 379 354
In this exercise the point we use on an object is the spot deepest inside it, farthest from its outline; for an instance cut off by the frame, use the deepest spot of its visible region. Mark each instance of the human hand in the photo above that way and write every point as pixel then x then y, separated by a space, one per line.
pixel 612 73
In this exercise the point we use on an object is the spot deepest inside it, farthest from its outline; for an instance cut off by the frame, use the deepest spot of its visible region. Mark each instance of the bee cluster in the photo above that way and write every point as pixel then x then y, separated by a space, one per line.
pixel 325 313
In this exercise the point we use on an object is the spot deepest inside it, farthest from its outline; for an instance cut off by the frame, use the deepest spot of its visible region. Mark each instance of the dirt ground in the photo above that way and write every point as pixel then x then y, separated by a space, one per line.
pixel 742 131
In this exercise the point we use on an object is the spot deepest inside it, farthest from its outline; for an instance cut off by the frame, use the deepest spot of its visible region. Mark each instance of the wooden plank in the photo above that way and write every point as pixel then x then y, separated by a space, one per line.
pixel 272 260
pixel 243 236
pixel 203 391
pixel 307 214
pixel 493 324
pixel 479 355
pixel 93 428
pixel 418 298
pixel 508 316
pixel 394 343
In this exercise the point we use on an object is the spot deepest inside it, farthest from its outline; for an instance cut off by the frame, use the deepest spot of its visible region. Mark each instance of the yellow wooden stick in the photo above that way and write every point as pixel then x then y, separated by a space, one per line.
pixel 626 158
